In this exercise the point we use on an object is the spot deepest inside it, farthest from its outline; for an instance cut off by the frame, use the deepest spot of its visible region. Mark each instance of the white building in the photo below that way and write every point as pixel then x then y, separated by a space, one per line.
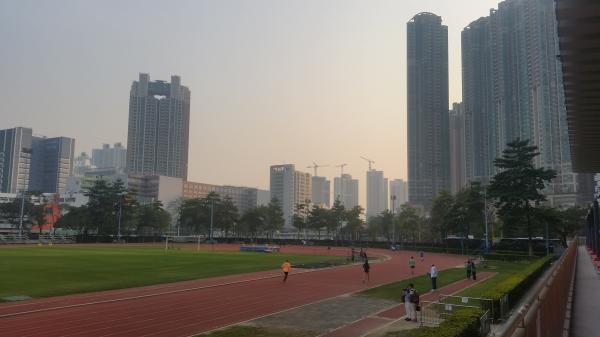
pixel 346 190
pixel 377 193
pixel 289 187
pixel 399 190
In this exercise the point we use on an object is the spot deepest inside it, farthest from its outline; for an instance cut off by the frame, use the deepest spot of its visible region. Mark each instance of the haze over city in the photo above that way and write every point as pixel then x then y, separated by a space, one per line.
pixel 271 82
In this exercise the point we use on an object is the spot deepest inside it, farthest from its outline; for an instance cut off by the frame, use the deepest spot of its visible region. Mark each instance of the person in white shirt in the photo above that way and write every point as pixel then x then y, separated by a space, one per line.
pixel 433 273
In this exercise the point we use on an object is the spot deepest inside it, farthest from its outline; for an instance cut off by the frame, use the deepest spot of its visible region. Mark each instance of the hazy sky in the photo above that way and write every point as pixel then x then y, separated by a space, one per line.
pixel 272 81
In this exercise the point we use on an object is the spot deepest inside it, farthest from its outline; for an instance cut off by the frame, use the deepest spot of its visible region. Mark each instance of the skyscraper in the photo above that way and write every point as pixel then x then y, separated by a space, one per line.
pixel 377 193
pixel 321 191
pixel 346 190
pixel 159 121
pixel 428 138
pixel 289 187
pixel 15 159
pixel 399 190
pixel 52 162
pixel 512 88
pixel 458 177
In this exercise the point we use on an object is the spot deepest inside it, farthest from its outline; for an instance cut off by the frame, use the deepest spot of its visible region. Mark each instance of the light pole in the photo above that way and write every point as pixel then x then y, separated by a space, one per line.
pixel 21 217
pixel 212 206
pixel 393 197
pixel 485 216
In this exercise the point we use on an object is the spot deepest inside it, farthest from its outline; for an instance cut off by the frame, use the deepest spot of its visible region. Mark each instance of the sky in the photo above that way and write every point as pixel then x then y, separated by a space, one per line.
pixel 272 81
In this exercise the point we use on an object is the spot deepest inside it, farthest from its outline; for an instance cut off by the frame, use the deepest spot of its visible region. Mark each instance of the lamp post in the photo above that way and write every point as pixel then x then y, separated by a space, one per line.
pixel 393 197
pixel 21 217
pixel 485 216
pixel 212 206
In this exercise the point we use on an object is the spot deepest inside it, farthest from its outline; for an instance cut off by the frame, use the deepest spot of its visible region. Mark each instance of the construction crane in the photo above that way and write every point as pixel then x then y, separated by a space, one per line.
pixel 369 160
pixel 342 166
pixel 315 166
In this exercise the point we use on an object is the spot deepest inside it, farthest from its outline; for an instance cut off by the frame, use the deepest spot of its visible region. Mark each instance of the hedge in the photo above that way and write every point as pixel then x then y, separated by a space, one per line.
pixel 462 323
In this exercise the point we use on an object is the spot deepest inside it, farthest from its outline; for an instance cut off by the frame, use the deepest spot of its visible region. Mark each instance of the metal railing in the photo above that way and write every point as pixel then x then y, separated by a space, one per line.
pixel 483 303
pixel 545 314
pixel 434 313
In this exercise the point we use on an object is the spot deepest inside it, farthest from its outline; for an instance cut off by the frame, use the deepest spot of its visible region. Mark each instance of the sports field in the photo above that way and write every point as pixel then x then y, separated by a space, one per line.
pixel 54 271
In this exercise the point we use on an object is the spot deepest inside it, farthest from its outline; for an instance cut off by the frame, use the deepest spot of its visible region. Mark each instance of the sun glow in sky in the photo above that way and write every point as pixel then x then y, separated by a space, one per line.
pixel 272 81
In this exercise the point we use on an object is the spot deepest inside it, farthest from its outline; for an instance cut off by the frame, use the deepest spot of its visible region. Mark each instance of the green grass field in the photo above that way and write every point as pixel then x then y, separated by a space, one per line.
pixel 54 271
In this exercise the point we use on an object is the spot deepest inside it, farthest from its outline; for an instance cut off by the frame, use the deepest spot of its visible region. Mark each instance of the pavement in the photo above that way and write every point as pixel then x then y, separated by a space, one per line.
pixel 586 300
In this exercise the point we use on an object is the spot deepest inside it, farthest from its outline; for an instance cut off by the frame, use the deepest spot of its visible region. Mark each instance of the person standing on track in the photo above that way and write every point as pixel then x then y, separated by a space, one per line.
pixel 286 267
pixel 406 299
pixel 468 269
pixel 366 269
pixel 412 264
pixel 433 273
pixel 414 303
pixel 473 271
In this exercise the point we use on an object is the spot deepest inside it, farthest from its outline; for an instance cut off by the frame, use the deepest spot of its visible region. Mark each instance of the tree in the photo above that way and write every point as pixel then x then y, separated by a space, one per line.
pixel 517 188
pixel 354 222
pixel 299 219
pixel 410 223
pixel 253 221
pixel 571 221
pixel 151 219
pixel 318 219
pixel 225 215
pixel 274 217
pixel 338 216
pixel 441 210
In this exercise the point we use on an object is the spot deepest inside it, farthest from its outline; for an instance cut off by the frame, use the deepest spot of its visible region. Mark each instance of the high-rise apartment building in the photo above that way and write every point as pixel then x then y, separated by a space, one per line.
pixel 346 190
pixel 512 88
pixel 158 134
pixel 52 162
pixel 15 159
pixel 377 193
pixel 321 191
pixel 428 130
pixel 458 177
pixel 289 187
pixel 107 157
pixel 398 194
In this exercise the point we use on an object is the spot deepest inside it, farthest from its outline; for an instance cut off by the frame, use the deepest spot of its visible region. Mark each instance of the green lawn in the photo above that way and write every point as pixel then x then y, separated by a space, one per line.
pixel 393 291
pixel 246 331
pixel 53 271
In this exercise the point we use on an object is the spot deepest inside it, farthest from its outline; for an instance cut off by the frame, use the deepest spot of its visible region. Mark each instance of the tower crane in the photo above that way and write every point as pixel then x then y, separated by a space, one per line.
pixel 369 160
pixel 315 166
pixel 342 166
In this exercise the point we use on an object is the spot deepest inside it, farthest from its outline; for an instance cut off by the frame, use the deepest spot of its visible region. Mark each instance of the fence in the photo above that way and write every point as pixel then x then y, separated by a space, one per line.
pixel 545 314
pixel 484 304
pixel 434 313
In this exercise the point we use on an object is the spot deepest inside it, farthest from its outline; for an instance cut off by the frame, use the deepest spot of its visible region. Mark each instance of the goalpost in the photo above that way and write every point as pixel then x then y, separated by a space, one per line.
pixel 176 242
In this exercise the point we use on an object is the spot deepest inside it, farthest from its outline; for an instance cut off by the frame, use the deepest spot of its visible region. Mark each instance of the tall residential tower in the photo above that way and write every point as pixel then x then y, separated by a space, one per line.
pixel 428 138
pixel 159 122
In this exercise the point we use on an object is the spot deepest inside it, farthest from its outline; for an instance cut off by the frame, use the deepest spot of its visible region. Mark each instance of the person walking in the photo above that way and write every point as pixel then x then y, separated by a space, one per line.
pixel 473 271
pixel 468 269
pixel 286 267
pixel 433 273
pixel 412 264
pixel 366 269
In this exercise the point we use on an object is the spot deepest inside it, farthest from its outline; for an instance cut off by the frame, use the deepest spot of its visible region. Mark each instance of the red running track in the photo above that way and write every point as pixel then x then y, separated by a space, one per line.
pixel 189 308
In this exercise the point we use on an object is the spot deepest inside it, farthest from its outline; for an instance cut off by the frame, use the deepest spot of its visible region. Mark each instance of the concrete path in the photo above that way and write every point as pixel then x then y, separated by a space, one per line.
pixel 584 319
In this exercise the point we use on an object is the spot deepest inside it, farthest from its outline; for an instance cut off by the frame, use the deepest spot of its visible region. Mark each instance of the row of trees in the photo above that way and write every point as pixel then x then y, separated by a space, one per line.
pixel 113 209
pixel 33 214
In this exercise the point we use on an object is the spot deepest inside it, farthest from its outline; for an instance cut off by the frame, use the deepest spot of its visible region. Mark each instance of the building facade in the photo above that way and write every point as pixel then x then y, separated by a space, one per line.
pixel 288 188
pixel 398 194
pixel 377 193
pixel 15 159
pixel 458 174
pixel 52 162
pixel 321 191
pixel 512 88
pixel 346 190
pixel 428 130
pixel 244 198
pixel 108 157
pixel 158 134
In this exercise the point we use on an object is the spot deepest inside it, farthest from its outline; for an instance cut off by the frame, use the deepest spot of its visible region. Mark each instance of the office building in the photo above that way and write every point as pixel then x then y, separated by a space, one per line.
pixel 377 193
pixel 15 159
pixel 428 129
pixel 158 134
pixel 108 157
pixel 51 164
pixel 82 164
pixel 512 88
pixel 321 191
pixel 346 190
pixel 398 194
pixel 244 198
pixel 458 177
